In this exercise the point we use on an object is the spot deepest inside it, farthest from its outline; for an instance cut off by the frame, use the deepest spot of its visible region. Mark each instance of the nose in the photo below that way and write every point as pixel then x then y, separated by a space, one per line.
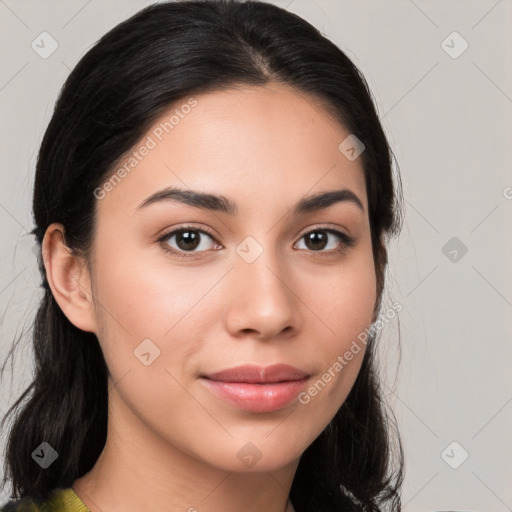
pixel 262 299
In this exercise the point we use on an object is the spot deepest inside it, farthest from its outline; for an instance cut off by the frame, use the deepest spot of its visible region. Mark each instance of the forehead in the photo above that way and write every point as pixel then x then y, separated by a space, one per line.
pixel 264 146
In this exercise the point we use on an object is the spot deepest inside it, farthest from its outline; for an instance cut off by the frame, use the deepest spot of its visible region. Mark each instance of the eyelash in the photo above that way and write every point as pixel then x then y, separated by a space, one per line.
pixel 347 241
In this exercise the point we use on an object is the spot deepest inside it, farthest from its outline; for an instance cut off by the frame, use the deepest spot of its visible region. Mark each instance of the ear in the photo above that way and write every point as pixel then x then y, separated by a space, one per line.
pixel 69 279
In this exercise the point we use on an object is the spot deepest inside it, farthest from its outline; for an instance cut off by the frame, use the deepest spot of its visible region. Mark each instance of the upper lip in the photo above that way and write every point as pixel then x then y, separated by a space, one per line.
pixel 258 374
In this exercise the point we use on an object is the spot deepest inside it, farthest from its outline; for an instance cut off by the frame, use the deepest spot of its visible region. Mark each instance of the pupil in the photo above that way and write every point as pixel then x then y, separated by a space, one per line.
pixel 190 240
pixel 316 237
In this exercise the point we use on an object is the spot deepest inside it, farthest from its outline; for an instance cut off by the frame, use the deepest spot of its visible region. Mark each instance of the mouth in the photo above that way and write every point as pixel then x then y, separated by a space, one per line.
pixel 257 389
pixel 253 374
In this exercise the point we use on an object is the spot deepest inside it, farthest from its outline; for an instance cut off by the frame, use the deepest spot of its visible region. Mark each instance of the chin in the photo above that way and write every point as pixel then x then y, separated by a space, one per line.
pixel 256 456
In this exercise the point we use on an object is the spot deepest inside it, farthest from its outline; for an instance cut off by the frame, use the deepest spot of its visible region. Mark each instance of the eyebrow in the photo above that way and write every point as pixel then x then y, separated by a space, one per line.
pixel 220 203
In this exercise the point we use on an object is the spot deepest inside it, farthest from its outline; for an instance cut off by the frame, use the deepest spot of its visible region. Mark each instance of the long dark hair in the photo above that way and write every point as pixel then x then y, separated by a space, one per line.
pixel 131 76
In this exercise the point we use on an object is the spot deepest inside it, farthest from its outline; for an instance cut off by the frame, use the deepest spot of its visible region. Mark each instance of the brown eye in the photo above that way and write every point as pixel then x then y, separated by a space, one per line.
pixel 186 240
pixel 318 239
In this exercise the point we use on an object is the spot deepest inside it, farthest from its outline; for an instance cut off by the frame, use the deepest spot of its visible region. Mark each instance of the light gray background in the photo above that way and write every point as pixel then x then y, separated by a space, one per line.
pixel 449 123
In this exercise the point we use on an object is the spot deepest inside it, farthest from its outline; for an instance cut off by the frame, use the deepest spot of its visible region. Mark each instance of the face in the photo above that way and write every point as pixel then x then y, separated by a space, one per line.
pixel 262 282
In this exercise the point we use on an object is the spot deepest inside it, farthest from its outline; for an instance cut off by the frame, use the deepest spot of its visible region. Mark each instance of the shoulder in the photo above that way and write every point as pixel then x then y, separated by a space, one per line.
pixel 59 500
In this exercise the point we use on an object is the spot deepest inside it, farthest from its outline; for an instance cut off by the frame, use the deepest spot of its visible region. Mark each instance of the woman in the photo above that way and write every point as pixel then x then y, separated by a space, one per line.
pixel 212 200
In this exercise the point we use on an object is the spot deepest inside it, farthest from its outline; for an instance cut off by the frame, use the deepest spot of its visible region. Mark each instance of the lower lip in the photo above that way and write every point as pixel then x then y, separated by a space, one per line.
pixel 256 397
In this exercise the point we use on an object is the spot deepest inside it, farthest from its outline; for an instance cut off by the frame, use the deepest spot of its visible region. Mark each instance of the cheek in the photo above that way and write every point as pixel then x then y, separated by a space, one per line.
pixel 142 297
pixel 343 301
pixel 344 298
pixel 143 290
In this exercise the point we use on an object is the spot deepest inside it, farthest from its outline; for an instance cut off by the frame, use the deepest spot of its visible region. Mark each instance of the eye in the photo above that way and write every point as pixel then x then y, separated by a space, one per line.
pixel 187 239
pixel 318 239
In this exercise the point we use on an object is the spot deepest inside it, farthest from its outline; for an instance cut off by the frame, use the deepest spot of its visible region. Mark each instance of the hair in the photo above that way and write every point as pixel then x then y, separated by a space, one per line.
pixel 124 83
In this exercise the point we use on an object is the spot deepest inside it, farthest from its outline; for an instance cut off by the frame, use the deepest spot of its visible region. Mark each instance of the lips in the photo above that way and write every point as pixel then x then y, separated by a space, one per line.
pixel 253 374
pixel 257 389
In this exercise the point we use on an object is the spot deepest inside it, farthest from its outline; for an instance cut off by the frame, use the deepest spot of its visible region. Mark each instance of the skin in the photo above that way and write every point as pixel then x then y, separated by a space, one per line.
pixel 171 442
